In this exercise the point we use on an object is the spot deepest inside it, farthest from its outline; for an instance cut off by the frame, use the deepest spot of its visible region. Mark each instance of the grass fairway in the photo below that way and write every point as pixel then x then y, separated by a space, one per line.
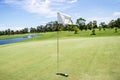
pixel 64 34
pixel 95 58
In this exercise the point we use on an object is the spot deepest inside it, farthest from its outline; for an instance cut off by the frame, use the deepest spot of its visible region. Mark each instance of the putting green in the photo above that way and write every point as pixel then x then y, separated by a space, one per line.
pixel 95 58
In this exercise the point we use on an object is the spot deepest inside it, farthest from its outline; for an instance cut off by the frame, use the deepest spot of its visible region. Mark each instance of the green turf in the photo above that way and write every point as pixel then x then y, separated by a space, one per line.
pixel 4 37
pixel 95 58
pixel 66 34
pixel 70 34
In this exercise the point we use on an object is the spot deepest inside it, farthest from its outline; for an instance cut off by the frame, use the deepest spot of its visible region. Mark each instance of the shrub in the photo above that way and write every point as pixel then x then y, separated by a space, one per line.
pixel 93 32
pixel 115 29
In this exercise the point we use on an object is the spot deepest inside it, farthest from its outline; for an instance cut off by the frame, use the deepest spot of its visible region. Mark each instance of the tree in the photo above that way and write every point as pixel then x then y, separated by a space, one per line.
pixel 115 29
pixel 89 25
pixel 60 27
pixel 7 32
pixel 93 32
pixel 1 33
pixel 17 32
pixel 69 27
pixel 55 24
pixel 52 26
pixel 49 26
pixel 117 23
pixel 33 30
pixel 25 30
pixel 40 28
pixel 94 24
pixel 76 29
pixel 81 23
pixel 100 28
pixel 12 32
pixel 114 23
pixel 111 24
pixel 103 25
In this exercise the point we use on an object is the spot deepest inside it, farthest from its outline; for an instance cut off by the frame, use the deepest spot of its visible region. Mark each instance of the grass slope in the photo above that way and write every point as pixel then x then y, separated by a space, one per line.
pixel 4 37
pixel 66 34
pixel 82 58
pixel 70 34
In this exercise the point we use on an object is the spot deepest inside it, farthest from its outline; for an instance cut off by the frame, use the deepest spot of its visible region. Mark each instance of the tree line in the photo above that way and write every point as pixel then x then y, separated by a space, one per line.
pixel 54 26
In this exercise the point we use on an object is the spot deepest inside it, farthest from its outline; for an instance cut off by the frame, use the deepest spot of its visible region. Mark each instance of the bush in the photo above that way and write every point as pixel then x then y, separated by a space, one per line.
pixel 115 29
pixel 93 32
pixel 76 32
pixel 104 29
pixel 76 29
pixel 99 28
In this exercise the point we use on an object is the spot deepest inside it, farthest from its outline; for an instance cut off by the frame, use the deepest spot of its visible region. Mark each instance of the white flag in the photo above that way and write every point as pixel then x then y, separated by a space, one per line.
pixel 64 19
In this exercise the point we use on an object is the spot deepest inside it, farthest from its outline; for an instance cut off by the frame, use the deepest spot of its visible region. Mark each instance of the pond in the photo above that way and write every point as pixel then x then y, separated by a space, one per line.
pixel 8 41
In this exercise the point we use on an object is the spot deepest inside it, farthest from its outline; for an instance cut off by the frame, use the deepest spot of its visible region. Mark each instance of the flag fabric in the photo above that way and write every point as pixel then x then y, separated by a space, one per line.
pixel 64 19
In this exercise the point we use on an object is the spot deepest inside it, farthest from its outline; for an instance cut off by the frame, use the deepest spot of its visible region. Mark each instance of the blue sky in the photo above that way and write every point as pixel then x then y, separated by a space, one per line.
pixel 17 14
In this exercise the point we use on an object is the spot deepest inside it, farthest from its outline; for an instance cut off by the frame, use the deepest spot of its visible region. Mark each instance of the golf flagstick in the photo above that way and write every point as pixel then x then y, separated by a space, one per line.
pixel 57 48
pixel 63 19
pixel 58 73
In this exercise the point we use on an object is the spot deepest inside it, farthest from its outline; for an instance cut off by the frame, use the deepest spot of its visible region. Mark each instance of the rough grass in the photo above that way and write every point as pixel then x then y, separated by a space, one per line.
pixel 95 58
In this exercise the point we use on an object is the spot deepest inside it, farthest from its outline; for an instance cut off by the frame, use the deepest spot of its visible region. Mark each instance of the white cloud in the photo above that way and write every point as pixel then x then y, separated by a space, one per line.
pixel 68 1
pixel 73 1
pixel 13 27
pixel 48 8
pixel 100 19
pixel 116 14
pixel 113 16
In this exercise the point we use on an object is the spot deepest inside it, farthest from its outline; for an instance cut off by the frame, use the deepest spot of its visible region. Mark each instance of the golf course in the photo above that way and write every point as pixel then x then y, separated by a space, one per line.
pixel 82 56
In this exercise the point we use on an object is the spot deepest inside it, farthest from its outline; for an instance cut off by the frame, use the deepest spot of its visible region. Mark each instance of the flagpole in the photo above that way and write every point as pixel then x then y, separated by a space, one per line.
pixel 61 21
pixel 58 48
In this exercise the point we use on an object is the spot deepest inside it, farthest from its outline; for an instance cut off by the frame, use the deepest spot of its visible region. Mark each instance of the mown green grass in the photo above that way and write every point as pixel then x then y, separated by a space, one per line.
pixel 95 58
pixel 70 34
pixel 4 37
pixel 66 34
